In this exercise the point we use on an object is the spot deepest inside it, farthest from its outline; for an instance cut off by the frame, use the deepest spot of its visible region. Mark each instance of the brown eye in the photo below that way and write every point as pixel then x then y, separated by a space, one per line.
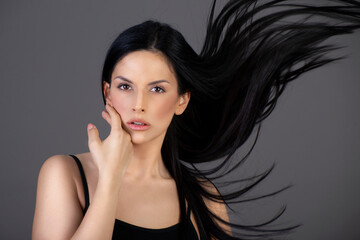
pixel 157 89
pixel 124 87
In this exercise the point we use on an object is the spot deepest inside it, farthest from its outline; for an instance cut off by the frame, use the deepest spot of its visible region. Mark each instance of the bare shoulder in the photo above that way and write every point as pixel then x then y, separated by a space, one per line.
pixel 61 168
pixel 56 164
pixel 217 207
pixel 66 166
pixel 57 210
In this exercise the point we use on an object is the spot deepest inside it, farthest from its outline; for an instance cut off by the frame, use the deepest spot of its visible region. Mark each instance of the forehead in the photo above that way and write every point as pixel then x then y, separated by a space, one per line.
pixel 144 65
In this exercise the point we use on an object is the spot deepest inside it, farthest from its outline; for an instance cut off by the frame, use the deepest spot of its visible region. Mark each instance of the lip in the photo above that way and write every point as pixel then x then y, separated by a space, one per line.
pixel 138 127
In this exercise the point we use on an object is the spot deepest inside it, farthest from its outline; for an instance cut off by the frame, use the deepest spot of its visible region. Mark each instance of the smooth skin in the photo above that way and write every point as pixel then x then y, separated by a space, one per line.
pixel 126 175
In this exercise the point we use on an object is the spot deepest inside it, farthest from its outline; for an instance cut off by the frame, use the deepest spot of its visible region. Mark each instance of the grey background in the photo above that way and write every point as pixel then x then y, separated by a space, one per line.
pixel 51 55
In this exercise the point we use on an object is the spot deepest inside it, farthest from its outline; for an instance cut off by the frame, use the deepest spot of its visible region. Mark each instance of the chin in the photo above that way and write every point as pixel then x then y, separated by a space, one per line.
pixel 136 139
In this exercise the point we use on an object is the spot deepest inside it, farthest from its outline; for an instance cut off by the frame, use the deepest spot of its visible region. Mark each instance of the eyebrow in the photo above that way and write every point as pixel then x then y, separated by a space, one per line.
pixel 150 83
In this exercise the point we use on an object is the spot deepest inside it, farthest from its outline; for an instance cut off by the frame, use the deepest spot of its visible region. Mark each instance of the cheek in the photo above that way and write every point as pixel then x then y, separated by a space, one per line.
pixel 166 109
pixel 121 105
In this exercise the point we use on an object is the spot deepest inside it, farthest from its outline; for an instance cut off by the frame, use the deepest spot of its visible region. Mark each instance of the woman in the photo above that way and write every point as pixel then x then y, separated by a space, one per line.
pixel 166 103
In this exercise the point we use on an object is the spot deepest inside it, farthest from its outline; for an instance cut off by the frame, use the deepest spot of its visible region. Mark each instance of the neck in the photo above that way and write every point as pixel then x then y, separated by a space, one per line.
pixel 147 162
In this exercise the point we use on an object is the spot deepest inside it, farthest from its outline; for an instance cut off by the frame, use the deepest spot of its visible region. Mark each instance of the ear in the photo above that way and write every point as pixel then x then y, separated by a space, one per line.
pixel 182 103
pixel 106 88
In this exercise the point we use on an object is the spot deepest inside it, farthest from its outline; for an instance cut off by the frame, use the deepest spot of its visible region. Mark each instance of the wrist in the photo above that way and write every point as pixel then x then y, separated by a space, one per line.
pixel 110 180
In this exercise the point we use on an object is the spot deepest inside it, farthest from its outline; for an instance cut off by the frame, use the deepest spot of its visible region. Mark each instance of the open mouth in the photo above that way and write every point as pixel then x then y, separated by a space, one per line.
pixel 139 123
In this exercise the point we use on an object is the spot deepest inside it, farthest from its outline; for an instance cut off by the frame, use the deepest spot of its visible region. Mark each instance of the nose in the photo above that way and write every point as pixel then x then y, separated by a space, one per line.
pixel 138 109
pixel 139 103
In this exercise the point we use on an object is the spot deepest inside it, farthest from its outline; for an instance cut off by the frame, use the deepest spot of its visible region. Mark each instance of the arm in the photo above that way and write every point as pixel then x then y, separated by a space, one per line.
pixel 58 214
pixel 55 191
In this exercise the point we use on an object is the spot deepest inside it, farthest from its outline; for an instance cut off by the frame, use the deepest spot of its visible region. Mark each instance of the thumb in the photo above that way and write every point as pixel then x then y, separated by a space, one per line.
pixel 93 137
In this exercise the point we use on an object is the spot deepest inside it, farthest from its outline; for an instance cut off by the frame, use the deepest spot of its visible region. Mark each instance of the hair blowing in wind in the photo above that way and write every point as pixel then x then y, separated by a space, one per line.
pixel 252 50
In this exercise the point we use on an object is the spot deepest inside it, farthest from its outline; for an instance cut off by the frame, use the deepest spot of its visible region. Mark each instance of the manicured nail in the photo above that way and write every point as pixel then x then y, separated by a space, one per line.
pixel 90 126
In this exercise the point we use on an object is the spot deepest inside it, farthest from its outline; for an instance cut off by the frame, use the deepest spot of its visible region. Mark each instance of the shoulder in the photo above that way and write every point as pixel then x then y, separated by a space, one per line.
pixel 217 207
pixel 59 174
pixel 56 163
pixel 56 166
pixel 57 208
pixel 59 167
pixel 56 174
pixel 64 166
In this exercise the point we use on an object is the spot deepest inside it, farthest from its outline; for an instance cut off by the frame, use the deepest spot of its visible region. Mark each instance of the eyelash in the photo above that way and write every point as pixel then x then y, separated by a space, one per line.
pixel 159 89
pixel 124 85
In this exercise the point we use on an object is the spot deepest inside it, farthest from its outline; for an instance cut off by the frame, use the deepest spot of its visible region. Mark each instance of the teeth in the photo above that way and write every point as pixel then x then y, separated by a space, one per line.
pixel 138 123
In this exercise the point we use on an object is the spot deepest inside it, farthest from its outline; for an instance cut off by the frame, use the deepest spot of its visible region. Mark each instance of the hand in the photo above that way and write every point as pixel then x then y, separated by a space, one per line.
pixel 112 156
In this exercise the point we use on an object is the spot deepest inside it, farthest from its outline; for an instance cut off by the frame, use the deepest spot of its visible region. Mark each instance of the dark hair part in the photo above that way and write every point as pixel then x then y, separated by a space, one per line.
pixel 248 57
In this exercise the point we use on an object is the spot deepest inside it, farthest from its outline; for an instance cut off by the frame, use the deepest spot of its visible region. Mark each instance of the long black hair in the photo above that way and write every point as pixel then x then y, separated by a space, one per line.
pixel 251 51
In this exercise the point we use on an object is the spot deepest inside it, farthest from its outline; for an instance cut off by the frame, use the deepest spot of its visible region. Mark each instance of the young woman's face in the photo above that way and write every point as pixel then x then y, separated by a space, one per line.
pixel 144 91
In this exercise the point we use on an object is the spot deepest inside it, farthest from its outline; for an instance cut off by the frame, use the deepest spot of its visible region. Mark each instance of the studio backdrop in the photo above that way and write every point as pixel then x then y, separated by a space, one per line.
pixel 51 57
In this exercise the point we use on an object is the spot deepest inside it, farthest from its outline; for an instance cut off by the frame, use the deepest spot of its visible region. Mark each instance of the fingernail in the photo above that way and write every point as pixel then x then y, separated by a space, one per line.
pixel 90 126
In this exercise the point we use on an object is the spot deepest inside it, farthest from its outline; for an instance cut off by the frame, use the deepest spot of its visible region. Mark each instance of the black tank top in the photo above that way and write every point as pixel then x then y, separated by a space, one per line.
pixel 124 230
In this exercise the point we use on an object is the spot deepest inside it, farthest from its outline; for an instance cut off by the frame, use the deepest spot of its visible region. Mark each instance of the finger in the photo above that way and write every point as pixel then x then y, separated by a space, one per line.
pixel 106 116
pixel 93 137
pixel 115 118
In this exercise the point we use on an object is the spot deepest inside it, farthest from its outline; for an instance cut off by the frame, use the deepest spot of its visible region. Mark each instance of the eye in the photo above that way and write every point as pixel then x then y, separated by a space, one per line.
pixel 124 87
pixel 157 89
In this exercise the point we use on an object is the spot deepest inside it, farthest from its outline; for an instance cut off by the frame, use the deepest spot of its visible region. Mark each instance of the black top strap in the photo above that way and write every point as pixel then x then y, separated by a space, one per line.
pixel 85 186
